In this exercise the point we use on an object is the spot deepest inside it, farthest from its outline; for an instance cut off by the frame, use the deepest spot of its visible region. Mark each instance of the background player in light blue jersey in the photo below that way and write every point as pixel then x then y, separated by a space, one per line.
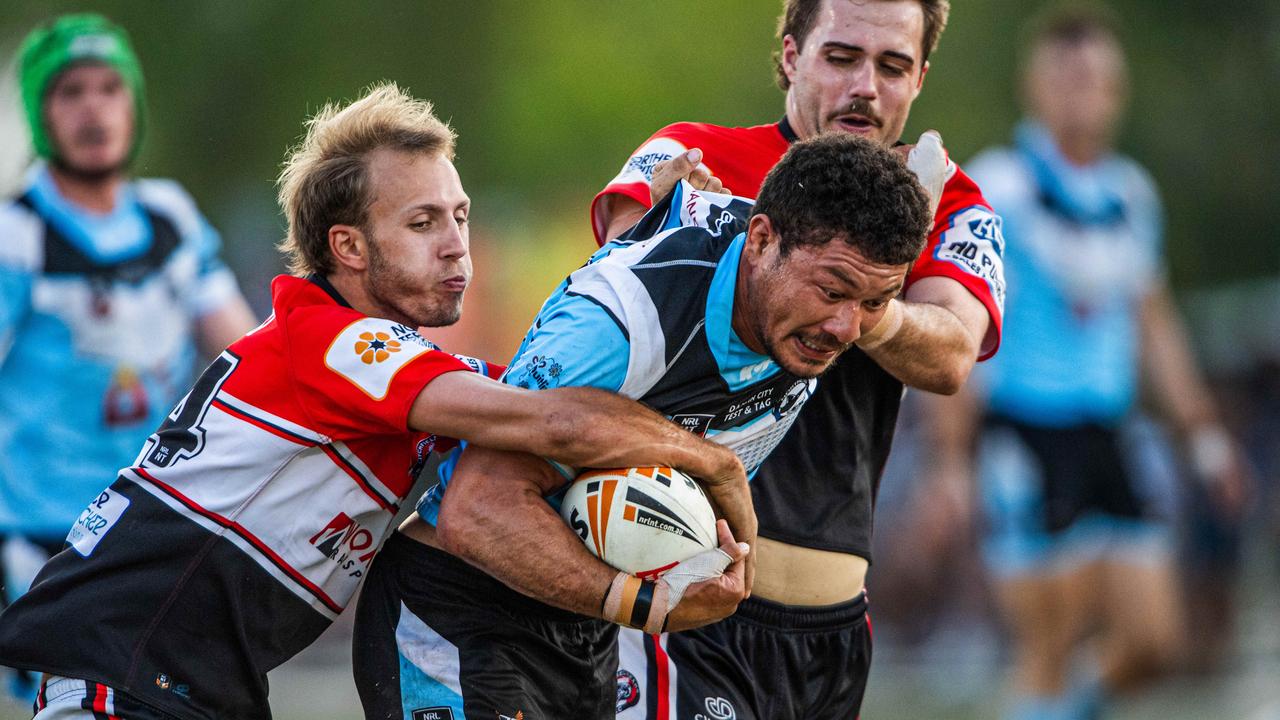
pixel 106 285
pixel 1076 542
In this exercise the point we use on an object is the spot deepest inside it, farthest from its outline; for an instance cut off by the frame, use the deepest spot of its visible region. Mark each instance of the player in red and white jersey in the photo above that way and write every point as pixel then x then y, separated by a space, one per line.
pixel 849 67
pixel 251 515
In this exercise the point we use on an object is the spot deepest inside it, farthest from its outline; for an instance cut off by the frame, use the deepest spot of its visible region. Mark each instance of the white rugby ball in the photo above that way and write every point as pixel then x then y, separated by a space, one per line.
pixel 640 520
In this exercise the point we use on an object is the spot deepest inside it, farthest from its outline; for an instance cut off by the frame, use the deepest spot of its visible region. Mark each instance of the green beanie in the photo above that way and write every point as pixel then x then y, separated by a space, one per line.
pixel 50 48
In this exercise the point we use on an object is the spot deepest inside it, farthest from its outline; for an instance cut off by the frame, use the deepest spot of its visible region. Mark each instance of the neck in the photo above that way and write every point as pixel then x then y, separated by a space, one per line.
pixel 93 194
pixel 351 286
pixel 1080 149
pixel 742 306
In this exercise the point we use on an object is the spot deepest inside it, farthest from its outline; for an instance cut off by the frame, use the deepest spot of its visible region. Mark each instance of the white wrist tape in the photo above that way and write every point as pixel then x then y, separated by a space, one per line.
pixel 889 325
pixel 1211 451
pixel 705 565
pixel 928 160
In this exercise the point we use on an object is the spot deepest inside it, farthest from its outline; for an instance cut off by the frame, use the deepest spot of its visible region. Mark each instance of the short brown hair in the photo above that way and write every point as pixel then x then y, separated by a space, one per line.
pixel 798 16
pixel 1072 23
pixel 325 180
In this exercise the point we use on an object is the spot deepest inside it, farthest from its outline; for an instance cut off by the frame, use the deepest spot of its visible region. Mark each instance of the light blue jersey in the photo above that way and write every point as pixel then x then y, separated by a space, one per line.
pixel 1083 250
pixel 97 318
pixel 650 317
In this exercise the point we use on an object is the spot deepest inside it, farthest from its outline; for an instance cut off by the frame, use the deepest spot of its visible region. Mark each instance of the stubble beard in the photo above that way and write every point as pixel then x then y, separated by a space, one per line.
pixel 386 282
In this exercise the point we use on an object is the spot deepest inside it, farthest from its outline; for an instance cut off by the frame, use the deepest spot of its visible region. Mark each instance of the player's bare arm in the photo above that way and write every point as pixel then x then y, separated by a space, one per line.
pixel 220 328
pixel 557 569
pixel 583 427
pixel 930 339
pixel 1171 370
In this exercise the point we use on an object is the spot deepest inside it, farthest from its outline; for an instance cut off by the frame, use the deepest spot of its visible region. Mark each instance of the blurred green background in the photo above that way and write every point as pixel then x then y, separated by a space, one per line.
pixel 549 98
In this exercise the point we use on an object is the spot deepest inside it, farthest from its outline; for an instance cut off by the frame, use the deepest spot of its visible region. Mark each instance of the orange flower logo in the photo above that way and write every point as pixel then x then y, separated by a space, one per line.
pixel 375 347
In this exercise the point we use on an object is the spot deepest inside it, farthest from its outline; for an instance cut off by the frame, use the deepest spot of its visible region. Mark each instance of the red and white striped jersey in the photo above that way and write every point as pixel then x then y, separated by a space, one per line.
pixel 248 519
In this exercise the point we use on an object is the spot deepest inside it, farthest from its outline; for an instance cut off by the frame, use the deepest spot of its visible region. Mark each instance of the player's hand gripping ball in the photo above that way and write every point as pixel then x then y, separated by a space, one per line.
pixel 642 521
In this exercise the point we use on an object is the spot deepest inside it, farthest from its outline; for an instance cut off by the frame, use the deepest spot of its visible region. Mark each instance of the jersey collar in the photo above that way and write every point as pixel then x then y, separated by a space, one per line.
pixel 788 132
pixel 324 284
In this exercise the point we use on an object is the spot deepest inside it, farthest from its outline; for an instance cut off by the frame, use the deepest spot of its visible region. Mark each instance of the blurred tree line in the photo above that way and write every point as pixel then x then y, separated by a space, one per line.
pixel 550 97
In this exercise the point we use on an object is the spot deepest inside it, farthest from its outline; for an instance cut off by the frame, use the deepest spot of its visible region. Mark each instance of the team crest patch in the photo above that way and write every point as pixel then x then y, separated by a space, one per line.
pixel 370 351
pixel 628 690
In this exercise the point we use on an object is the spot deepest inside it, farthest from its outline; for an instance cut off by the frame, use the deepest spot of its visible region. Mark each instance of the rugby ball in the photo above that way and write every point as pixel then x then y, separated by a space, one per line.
pixel 641 520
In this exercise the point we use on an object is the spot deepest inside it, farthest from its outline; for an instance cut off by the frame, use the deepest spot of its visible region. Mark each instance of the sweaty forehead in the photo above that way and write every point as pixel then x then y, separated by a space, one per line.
pixel 873 25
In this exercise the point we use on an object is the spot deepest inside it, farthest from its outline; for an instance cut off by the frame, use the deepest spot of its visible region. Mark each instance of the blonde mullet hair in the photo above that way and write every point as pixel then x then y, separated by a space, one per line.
pixel 325 179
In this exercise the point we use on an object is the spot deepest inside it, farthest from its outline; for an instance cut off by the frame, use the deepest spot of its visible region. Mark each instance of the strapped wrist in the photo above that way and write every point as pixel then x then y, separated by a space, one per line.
pixel 636 603
pixel 884 331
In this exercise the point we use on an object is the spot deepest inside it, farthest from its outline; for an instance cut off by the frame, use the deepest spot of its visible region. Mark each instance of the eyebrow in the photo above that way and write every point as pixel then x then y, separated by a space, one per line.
pixel 832 44
pixel 434 208
pixel 844 278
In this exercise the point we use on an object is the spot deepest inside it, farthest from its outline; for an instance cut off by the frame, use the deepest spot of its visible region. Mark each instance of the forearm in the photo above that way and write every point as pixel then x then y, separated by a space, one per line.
pixel 933 350
pixel 526 545
pixel 1170 368
pixel 593 428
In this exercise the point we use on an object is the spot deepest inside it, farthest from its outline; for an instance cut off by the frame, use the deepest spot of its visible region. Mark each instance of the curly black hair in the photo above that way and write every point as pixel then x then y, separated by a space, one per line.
pixel 842 186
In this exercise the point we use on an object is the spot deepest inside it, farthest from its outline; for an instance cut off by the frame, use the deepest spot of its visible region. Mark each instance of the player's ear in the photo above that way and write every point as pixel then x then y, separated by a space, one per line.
pixel 760 239
pixel 350 247
pixel 790 53
pixel 923 71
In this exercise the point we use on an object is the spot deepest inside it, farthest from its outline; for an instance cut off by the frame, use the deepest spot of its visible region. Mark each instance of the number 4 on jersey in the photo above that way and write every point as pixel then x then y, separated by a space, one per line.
pixel 181 435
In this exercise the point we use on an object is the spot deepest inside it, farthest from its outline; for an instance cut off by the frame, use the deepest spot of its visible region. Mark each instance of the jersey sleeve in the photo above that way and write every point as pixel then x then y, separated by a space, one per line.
pixel 215 284
pixel 19 261
pixel 357 376
pixel 967 245
pixel 636 174
pixel 575 342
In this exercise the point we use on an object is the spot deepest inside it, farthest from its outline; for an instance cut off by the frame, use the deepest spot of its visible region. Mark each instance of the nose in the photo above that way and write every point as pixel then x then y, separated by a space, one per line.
pixel 862 82
pixel 846 324
pixel 454 245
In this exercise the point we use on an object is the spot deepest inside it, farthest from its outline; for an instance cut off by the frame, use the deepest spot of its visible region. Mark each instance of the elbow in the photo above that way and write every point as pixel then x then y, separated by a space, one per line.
pixel 456 528
pixel 947 379
pixel 566 433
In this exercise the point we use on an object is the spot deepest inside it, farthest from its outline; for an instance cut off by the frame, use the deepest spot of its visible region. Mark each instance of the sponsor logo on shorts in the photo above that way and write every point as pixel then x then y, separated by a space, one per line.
pixel 518 716
pixel 628 690
pixel 432 713
pixel 717 709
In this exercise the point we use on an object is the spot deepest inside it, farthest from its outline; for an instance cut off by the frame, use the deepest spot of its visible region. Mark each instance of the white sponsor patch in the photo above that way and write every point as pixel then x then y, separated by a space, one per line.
pixel 639 167
pixel 974 243
pixel 369 353
pixel 96 521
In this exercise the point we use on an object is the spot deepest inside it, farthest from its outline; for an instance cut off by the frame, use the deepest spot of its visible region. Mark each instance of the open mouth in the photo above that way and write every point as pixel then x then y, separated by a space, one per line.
pixel 857 123
pixel 814 351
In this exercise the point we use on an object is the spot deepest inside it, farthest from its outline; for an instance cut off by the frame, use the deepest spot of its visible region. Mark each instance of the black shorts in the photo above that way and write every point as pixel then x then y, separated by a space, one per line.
pixel 436 639
pixel 766 662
